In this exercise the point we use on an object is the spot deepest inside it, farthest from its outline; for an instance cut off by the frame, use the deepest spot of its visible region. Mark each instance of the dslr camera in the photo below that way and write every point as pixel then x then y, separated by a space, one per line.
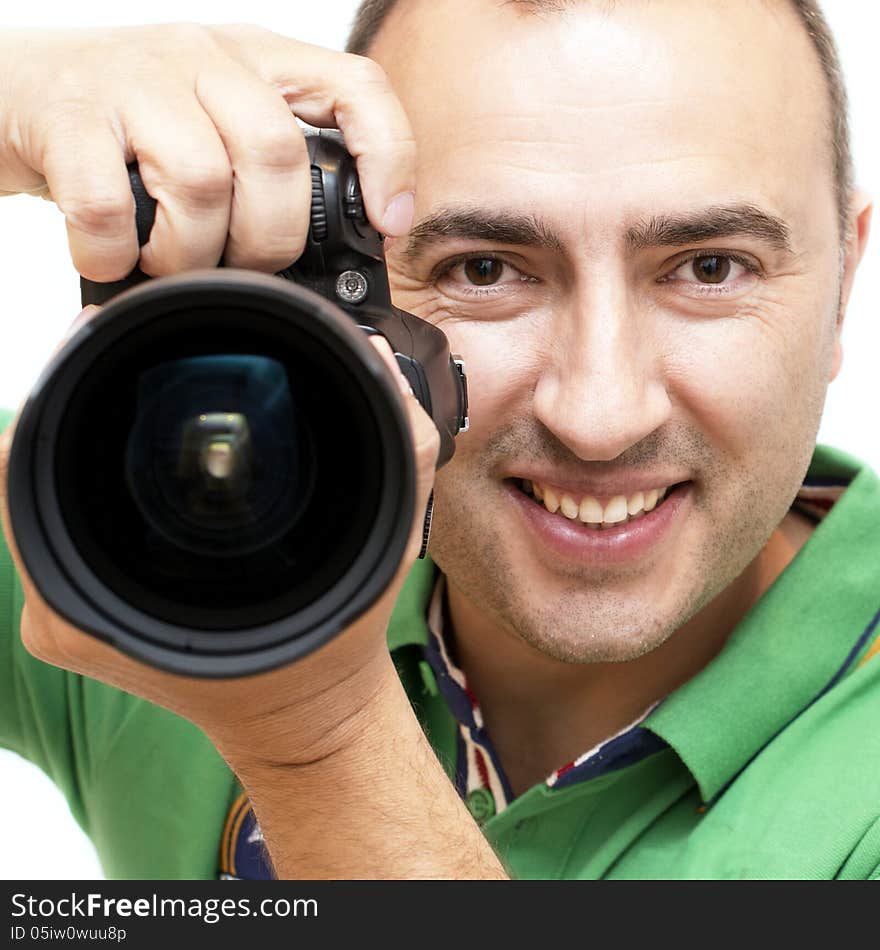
pixel 215 474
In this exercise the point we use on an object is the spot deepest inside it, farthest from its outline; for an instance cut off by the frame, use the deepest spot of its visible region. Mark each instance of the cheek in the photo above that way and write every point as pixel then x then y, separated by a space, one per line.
pixel 502 363
pixel 751 382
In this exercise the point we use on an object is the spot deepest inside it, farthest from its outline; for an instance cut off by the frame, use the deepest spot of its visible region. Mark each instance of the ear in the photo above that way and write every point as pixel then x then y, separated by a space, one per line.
pixel 861 210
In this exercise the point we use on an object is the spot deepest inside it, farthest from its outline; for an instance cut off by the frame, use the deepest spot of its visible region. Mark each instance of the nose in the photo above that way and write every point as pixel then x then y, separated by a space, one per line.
pixel 601 387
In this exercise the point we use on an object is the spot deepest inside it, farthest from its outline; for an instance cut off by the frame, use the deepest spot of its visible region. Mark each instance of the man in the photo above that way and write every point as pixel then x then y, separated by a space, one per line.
pixel 637 224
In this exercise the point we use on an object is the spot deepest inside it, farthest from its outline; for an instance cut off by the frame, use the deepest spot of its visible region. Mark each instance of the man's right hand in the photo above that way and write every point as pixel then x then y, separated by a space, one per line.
pixel 208 113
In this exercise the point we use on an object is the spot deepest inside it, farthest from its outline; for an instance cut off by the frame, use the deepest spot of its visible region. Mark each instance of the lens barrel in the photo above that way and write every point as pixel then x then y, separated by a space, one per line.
pixel 214 474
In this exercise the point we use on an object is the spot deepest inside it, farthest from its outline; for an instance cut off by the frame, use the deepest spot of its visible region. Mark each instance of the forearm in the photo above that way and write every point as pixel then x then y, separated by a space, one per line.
pixel 380 807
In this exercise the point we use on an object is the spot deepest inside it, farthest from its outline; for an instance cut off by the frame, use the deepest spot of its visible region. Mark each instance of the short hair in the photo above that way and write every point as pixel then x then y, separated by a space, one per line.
pixel 371 14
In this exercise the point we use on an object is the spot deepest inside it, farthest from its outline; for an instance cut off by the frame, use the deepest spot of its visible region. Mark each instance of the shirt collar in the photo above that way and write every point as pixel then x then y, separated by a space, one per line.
pixel 803 634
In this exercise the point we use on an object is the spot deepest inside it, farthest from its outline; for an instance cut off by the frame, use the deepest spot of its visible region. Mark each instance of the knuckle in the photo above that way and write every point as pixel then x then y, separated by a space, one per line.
pixel 202 179
pixel 268 252
pixel 188 34
pixel 279 145
pixel 403 151
pixel 240 31
pixel 428 446
pixel 365 71
pixel 96 210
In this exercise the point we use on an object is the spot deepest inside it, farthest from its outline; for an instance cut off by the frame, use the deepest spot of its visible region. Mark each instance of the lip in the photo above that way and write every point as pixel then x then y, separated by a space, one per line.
pixel 621 544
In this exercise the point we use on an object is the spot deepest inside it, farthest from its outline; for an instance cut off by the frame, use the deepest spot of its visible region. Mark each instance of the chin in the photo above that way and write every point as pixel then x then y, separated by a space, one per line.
pixel 596 646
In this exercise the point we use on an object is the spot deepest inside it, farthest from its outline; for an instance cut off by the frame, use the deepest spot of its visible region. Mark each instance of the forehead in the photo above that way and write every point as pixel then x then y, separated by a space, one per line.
pixel 620 102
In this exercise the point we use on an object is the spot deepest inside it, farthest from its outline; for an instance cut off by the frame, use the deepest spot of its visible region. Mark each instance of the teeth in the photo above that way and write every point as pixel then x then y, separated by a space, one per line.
pixel 589 510
pixel 636 503
pixel 615 511
pixel 569 507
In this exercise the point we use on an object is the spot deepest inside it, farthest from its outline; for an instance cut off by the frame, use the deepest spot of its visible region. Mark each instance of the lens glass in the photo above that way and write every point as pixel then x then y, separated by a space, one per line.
pixel 219 470
pixel 216 460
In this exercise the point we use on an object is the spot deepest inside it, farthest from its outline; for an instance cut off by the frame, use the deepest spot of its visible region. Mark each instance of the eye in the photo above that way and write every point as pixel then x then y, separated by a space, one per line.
pixel 478 276
pixel 712 270
pixel 483 271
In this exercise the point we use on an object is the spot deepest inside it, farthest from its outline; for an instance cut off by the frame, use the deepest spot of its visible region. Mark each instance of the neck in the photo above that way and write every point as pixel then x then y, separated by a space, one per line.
pixel 542 713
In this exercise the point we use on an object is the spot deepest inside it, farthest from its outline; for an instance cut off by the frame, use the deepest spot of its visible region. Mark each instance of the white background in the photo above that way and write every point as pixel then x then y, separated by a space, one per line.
pixel 38 837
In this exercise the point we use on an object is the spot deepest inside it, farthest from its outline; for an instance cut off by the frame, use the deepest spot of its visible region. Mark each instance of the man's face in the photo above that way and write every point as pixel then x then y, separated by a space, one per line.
pixel 669 323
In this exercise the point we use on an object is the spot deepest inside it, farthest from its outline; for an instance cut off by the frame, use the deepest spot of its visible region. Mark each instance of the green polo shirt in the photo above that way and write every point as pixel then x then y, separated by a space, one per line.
pixel 766 764
pixel 768 761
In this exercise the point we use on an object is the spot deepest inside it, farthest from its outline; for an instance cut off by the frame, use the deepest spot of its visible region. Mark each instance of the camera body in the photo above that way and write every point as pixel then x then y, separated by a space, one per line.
pixel 215 474
pixel 344 263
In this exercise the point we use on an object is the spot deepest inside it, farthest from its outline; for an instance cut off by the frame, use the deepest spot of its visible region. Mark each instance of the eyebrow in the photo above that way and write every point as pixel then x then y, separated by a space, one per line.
pixel 743 220
pixel 498 227
pixel 664 230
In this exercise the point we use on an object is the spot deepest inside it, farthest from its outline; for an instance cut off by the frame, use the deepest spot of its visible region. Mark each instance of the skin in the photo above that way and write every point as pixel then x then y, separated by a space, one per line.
pixel 603 363
pixel 610 361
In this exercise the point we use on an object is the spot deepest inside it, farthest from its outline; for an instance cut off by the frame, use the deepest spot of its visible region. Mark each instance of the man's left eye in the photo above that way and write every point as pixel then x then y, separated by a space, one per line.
pixel 478 276
pixel 710 269
pixel 483 271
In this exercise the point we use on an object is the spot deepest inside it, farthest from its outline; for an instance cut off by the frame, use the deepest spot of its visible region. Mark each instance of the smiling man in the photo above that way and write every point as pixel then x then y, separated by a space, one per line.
pixel 642 645
pixel 637 243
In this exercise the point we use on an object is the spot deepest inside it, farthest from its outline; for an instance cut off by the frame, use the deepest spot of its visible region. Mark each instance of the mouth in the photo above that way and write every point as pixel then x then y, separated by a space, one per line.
pixel 608 531
pixel 594 513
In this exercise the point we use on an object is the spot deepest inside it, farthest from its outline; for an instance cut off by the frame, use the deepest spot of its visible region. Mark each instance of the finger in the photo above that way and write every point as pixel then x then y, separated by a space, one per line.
pixel 425 439
pixel 353 94
pixel 82 318
pixel 94 195
pixel 383 347
pixel 269 217
pixel 184 166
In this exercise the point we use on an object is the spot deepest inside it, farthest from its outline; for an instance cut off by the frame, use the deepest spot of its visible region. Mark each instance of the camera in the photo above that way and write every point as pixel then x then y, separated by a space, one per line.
pixel 215 474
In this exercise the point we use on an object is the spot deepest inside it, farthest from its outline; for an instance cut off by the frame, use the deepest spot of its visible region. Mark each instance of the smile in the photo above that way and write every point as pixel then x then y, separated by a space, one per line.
pixel 589 510
pixel 616 528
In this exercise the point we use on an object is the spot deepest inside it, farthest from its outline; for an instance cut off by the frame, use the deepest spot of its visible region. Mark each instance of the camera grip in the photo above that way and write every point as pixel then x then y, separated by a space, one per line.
pixel 94 292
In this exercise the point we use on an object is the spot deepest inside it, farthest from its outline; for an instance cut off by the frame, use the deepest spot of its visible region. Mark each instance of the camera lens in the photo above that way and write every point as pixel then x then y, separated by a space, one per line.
pixel 215 474
pixel 217 460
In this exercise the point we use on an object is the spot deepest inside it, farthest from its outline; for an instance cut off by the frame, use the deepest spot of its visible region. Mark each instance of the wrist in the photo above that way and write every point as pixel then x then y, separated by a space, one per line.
pixel 322 728
pixel 377 803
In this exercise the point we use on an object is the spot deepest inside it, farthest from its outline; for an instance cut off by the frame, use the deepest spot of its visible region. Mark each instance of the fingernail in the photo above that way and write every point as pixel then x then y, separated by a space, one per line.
pixel 399 214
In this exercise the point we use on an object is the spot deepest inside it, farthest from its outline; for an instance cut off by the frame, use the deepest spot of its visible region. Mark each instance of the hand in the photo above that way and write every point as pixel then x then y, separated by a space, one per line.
pixel 208 113
pixel 295 715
